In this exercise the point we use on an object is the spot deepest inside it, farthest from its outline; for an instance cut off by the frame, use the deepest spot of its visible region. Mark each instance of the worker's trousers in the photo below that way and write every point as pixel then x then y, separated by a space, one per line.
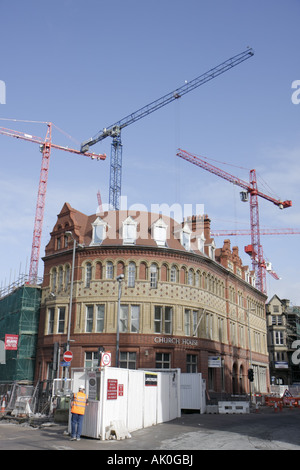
pixel 76 425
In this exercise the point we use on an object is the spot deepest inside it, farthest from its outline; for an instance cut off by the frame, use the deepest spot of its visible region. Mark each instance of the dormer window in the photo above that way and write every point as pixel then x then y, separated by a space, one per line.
pixel 185 237
pixel 129 231
pixel 159 232
pixel 201 242
pixel 230 265
pixel 99 231
pixel 253 280
pixel 211 250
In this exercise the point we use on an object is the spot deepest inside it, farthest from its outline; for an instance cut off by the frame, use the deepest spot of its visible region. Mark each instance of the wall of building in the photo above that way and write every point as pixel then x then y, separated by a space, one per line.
pixel 192 309
pixel 283 331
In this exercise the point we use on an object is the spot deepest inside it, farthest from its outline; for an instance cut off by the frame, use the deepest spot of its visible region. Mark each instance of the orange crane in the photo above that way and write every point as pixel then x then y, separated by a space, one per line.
pixel 45 148
pixel 249 189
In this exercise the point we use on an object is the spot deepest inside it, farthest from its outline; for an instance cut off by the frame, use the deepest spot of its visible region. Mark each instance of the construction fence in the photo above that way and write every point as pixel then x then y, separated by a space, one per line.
pixel 22 400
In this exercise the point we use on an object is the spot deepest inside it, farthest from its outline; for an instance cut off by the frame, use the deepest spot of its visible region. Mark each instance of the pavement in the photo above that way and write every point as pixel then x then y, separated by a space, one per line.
pixel 192 432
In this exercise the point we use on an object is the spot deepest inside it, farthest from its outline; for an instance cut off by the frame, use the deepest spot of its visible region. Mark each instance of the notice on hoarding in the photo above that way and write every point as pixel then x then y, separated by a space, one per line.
pixel 112 389
pixel 11 342
pixel 150 379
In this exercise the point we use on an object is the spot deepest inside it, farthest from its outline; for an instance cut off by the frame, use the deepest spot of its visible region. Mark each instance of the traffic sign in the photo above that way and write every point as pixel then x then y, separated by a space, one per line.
pixel 105 359
pixel 65 364
pixel 68 356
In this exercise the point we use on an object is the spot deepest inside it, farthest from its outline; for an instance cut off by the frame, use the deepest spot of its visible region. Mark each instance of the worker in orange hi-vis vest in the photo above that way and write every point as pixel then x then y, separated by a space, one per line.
pixel 78 405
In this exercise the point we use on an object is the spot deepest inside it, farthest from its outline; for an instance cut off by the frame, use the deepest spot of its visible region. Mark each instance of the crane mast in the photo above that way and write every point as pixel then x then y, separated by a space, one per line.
pixel 114 130
pixel 39 211
pixel 255 250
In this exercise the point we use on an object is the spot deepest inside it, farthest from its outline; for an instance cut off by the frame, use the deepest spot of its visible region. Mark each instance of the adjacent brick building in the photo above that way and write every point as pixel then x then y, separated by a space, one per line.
pixel 283 326
pixel 184 303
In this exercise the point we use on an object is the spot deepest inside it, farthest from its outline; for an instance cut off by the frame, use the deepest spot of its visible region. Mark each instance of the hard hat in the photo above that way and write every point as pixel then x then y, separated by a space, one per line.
pixel 82 387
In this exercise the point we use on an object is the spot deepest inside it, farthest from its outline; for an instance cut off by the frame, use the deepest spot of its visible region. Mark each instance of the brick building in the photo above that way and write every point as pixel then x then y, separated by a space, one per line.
pixel 184 302
pixel 283 326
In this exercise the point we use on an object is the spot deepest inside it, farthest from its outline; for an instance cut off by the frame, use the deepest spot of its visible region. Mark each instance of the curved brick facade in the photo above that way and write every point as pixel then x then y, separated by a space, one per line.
pixel 183 302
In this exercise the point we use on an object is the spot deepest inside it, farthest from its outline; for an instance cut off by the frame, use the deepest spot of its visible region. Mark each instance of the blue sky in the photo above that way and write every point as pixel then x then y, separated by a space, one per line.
pixel 85 65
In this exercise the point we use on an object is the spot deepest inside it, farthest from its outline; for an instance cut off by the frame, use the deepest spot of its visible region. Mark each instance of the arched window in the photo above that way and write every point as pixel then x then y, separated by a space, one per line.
pixel 164 273
pixel 67 274
pixel 53 279
pixel 204 281
pixel 98 273
pixel 183 275
pixel 60 278
pixel 109 270
pixel 131 274
pixel 174 274
pixel 143 271
pixel 120 268
pixel 190 277
pixel 88 274
pixel 153 276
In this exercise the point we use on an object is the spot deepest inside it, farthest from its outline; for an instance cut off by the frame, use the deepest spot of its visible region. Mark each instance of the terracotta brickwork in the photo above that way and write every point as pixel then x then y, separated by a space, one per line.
pixel 182 303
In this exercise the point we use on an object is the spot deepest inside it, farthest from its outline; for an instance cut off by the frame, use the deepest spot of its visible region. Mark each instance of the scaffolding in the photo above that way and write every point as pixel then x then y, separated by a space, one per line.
pixel 19 315
pixel 22 280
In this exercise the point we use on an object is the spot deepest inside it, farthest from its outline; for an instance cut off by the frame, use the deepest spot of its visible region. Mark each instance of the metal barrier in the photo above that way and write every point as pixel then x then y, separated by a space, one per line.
pixel 212 409
pixel 233 407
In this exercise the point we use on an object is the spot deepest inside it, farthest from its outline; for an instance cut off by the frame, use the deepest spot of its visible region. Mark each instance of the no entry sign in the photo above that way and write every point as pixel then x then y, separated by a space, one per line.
pixel 68 356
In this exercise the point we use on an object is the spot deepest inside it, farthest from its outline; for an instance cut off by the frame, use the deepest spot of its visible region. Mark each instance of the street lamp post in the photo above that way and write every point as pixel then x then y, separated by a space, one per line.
pixel 119 279
pixel 68 233
pixel 250 358
pixel 71 288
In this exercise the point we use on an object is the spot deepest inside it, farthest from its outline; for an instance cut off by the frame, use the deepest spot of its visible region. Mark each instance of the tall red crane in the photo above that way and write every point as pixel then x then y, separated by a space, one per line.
pixel 252 193
pixel 45 148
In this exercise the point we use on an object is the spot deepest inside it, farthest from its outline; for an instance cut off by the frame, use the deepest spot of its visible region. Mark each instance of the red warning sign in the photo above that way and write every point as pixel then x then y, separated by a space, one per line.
pixel 112 389
pixel 11 342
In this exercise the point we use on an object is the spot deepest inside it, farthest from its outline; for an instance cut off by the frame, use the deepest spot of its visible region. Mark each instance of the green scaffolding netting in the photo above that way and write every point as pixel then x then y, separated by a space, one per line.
pixel 19 315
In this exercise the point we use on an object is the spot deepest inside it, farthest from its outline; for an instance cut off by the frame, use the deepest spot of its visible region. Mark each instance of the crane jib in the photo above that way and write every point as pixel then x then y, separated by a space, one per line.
pixel 169 97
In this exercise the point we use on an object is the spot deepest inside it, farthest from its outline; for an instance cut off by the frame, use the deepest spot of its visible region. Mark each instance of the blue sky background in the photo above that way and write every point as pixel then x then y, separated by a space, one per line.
pixel 85 65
